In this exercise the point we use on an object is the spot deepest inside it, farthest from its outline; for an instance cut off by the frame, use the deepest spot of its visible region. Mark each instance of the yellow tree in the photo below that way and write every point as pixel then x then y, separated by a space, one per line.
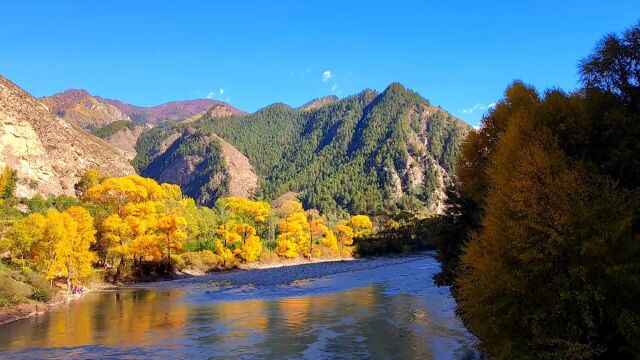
pixel 245 209
pixel 361 225
pixel 74 258
pixel 8 180
pixel 123 190
pixel 88 180
pixel 294 234
pixel 24 234
pixel 344 234
pixel 64 250
pixel 251 247
pixel 172 230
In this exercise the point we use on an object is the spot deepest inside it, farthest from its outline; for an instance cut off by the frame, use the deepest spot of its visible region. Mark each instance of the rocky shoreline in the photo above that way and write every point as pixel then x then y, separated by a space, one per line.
pixel 27 310
pixel 282 274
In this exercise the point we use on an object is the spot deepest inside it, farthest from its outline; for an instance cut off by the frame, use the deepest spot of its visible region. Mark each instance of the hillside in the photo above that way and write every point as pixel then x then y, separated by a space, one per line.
pixel 172 111
pixel 367 152
pixel 123 135
pixel 205 166
pixel 48 153
pixel 81 108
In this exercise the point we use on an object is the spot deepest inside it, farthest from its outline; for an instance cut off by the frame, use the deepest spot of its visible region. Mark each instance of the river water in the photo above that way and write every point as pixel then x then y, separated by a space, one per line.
pixel 388 312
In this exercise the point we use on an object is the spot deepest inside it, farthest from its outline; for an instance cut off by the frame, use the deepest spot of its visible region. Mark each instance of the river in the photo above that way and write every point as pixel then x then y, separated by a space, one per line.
pixel 385 312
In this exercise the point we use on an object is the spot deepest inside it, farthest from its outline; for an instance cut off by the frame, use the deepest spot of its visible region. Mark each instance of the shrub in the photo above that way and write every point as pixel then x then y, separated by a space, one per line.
pixel 203 261
pixel 12 291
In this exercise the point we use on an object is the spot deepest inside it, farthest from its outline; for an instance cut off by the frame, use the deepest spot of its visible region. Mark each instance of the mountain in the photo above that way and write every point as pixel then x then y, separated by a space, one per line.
pixel 319 102
pixel 205 166
pixel 123 135
pixel 172 111
pixel 367 152
pixel 81 108
pixel 49 153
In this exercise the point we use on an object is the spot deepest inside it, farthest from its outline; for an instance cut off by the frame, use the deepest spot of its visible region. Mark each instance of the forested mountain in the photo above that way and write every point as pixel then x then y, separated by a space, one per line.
pixel 367 152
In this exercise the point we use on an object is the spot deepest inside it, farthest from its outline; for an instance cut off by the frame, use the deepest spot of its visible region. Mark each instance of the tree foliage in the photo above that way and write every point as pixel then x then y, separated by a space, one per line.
pixel 550 202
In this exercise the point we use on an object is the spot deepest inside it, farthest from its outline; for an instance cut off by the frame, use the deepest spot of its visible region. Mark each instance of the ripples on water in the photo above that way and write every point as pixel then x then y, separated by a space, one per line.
pixel 389 312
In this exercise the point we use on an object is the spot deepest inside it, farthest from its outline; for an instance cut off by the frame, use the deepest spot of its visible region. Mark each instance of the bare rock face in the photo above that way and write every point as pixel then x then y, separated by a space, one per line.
pixel 48 153
pixel 243 180
pixel 125 140
pixel 81 108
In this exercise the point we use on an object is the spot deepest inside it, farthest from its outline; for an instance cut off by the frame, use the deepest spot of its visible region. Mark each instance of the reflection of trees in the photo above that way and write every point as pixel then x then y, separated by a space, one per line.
pixel 121 319
pixel 363 323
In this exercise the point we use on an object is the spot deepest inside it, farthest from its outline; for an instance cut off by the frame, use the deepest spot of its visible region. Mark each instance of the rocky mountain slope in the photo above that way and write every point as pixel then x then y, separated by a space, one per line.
pixel 81 108
pixel 48 153
pixel 172 111
pixel 367 152
pixel 205 166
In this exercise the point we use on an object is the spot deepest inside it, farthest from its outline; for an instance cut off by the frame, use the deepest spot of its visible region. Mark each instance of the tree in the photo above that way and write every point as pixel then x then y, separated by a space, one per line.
pixel 24 234
pixel 344 234
pixel 615 66
pixel 172 230
pixel 88 180
pixel 294 234
pixel 64 248
pixel 361 225
pixel 549 197
pixel 8 181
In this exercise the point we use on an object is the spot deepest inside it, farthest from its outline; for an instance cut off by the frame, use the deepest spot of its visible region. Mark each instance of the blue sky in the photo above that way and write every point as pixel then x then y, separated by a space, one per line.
pixel 459 55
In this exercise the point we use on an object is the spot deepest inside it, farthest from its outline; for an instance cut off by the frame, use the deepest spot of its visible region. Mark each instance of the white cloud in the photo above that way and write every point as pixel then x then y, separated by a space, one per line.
pixel 477 107
pixel 221 91
pixel 326 76
pixel 210 95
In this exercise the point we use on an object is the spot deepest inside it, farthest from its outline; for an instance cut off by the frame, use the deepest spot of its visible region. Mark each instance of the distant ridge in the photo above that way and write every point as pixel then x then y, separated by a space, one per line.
pixel 171 111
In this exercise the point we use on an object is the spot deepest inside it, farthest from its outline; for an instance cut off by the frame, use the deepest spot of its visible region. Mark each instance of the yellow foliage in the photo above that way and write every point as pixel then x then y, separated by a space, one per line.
pixel 246 209
pixel 251 249
pixel 228 259
pixel 344 233
pixel 294 233
pixel 172 232
pixel 63 250
pixel 128 189
pixel 286 247
pixel 361 225
pixel 24 234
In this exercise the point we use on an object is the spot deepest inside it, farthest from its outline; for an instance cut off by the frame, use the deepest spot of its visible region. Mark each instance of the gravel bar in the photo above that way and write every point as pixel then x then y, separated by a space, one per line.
pixel 283 275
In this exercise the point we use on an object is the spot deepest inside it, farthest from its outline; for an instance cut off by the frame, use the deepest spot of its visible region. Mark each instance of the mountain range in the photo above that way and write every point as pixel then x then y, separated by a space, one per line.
pixel 389 150
pixel 49 153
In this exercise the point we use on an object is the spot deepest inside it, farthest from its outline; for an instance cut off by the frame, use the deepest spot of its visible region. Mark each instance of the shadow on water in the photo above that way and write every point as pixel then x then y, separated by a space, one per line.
pixel 389 312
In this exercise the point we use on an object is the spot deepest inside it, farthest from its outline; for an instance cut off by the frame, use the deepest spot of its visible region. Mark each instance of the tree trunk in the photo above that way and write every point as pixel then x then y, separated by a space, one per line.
pixel 69 275
pixel 116 278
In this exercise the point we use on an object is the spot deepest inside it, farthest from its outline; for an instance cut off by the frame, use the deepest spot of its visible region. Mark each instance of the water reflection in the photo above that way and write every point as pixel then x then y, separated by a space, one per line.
pixel 377 320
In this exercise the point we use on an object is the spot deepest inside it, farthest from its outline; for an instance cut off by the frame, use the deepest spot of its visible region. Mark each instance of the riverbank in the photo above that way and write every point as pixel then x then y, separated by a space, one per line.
pixel 273 273
pixel 29 309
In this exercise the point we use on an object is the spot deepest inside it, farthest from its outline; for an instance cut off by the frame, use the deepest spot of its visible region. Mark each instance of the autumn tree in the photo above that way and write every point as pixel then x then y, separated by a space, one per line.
pixel 361 225
pixel 88 180
pixel 552 269
pixel 293 238
pixel 24 234
pixel 172 233
pixel 8 181
pixel 344 234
